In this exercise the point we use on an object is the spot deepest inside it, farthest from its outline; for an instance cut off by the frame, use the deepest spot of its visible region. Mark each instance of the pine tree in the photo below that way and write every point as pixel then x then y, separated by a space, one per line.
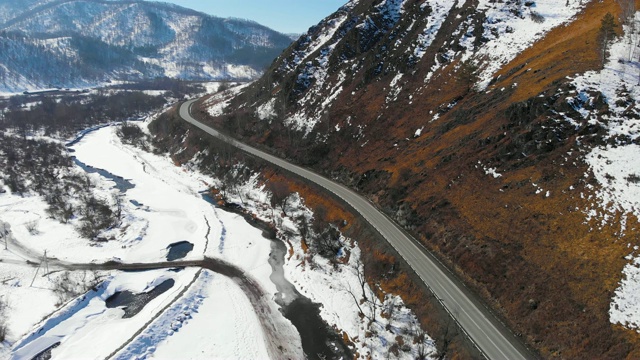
pixel 607 33
pixel 468 74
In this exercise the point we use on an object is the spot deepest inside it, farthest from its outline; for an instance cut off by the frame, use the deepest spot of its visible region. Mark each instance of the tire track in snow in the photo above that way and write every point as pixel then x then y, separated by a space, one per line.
pixel 206 236
pixel 223 232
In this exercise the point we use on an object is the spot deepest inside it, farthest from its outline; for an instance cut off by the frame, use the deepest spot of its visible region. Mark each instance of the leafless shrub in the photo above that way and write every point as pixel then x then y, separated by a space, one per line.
pixel 536 17
pixel 32 227
pixel 133 135
pixel 326 241
pixel 633 178
pixel 95 215
pixel 70 285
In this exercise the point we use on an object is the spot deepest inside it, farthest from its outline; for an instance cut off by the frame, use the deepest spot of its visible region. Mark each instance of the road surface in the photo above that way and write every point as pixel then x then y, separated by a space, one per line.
pixel 489 335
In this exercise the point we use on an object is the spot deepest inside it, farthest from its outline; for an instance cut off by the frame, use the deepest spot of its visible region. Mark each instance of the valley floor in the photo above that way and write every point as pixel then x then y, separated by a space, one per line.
pixel 164 207
pixel 188 313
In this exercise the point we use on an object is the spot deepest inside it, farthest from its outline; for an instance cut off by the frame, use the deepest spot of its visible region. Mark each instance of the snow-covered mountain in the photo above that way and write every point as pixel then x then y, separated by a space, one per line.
pixel 503 134
pixel 84 42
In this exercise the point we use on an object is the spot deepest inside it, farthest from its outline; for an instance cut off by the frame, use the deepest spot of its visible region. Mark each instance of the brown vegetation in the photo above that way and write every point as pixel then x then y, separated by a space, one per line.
pixel 531 257
pixel 565 51
pixel 380 261
pixel 383 268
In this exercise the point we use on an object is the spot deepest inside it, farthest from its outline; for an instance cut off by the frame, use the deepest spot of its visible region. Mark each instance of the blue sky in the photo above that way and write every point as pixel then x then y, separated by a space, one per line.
pixel 287 16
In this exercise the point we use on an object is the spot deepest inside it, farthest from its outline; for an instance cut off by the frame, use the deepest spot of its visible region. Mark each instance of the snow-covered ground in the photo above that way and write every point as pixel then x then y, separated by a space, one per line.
pixel 204 314
pixel 509 34
pixel 168 208
pixel 616 166
pixel 334 284
pixel 87 328
pixel 218 103
pixel 200 330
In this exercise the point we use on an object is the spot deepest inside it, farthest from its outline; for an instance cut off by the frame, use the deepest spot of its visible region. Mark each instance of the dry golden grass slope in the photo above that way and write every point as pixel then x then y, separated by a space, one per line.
pixel 534 258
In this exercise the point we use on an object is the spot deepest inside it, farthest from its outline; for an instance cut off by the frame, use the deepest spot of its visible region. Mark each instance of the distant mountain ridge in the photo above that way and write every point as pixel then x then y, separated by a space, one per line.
pixel 71 43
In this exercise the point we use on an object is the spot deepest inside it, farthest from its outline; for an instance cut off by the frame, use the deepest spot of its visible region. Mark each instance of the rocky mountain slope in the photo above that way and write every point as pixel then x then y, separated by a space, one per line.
pixel 83 42
pixel 496 132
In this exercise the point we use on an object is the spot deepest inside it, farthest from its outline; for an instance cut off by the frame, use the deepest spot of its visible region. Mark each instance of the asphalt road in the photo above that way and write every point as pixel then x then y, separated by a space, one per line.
pixel 493 339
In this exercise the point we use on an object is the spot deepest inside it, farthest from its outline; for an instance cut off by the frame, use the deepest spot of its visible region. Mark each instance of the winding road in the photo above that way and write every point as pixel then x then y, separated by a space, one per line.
pixel 489 335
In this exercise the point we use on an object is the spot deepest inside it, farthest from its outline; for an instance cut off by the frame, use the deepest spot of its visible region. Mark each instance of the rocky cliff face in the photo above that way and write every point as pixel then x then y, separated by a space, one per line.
pixel 84 42
pixel 491 130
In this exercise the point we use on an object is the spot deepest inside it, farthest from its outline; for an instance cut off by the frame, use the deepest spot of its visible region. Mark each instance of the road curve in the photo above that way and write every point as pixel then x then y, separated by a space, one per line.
pixel 491 337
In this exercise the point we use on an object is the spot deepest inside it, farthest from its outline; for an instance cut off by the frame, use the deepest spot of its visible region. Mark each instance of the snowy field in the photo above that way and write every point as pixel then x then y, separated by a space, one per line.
pixel 164 207
pixel 203 314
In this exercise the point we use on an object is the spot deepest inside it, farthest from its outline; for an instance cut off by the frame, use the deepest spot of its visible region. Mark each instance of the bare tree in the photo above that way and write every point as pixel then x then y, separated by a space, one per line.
pixel 607 34
pixel 303 226
pixel 280 194
pixel 627 17
pixel 4 233
pixel 32 227
pixel 371 301
pixel 445 336
pixel 59 206
pixel 390 306
pixel 628 10
pixel 638 71
pixel 117 200
pixel 3 317
pixel 374 305
pixel 327 240
pixel 324 236
pixel 95 216
pixel 633 36
pixel 362 280
pixel 231 183
pixel 420 336
pixel 357 301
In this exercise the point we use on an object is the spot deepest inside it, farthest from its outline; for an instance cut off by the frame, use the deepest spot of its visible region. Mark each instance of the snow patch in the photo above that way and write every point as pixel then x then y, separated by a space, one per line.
pixel 509 34
pixel 266 111
pixel 618 171
pixel 615 165
pixel 625 306
pixel 439 11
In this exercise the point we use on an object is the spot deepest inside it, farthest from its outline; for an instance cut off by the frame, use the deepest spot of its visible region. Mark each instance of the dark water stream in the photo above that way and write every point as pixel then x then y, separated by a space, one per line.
pixel 132 303
pixel 179 250
pixel 319 340
pixel 121 183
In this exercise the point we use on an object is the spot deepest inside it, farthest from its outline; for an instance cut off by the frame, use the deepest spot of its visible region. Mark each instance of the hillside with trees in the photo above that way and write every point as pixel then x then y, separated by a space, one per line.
pixel 43 46
pixel 500 134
